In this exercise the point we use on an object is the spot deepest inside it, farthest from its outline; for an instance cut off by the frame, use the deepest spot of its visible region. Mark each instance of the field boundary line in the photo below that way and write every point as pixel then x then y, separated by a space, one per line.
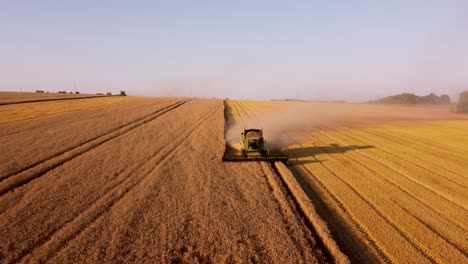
pixel 11 182
pixel 307 209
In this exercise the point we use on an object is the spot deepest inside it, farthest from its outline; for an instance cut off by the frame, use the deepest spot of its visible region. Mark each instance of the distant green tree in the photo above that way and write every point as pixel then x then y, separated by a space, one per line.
pixel 123 93
pixel 108 93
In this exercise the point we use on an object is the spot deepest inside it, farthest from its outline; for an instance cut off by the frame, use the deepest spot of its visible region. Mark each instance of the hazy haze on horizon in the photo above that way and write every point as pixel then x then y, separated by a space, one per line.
pixel 320 50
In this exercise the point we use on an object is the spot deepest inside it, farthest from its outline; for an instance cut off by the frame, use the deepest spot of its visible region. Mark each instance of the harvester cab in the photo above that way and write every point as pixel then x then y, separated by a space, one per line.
pixel 254 148
pixel 253 143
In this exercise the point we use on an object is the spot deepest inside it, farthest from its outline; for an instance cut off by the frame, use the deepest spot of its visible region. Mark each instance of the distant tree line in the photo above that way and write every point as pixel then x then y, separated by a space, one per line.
pixel 409 98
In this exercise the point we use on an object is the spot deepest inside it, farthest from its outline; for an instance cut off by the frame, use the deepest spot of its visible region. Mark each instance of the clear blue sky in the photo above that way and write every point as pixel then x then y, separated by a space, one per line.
pixel 352 50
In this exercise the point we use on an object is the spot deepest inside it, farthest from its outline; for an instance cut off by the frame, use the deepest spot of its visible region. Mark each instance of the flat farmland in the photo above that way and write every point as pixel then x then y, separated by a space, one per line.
pixel 140 180
pixel 390 181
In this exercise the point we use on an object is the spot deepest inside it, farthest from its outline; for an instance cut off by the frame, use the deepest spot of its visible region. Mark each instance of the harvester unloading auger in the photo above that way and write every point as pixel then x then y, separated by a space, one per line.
pixel 254 148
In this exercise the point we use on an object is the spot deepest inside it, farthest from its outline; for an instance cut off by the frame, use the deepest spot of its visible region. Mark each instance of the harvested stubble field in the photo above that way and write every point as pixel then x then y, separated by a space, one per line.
pixel 141 180
pixel 390 181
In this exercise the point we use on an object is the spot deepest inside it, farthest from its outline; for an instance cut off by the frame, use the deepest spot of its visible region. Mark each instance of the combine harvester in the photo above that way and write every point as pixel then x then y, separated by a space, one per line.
pixel 254 148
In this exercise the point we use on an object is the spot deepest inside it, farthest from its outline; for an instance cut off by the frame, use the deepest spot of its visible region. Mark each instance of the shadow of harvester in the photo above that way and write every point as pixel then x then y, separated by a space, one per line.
pixel 311 152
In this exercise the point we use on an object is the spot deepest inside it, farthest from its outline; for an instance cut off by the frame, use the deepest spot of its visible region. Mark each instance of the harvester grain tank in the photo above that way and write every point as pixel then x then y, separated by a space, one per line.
pixel 254 148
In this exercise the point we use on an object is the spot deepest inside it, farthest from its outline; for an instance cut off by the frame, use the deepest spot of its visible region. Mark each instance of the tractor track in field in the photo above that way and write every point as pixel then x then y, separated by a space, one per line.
pixel 58 239
pixel 37 169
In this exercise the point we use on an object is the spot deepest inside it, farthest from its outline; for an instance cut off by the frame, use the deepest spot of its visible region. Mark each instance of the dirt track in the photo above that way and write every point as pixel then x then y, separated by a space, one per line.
pixel 122 188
